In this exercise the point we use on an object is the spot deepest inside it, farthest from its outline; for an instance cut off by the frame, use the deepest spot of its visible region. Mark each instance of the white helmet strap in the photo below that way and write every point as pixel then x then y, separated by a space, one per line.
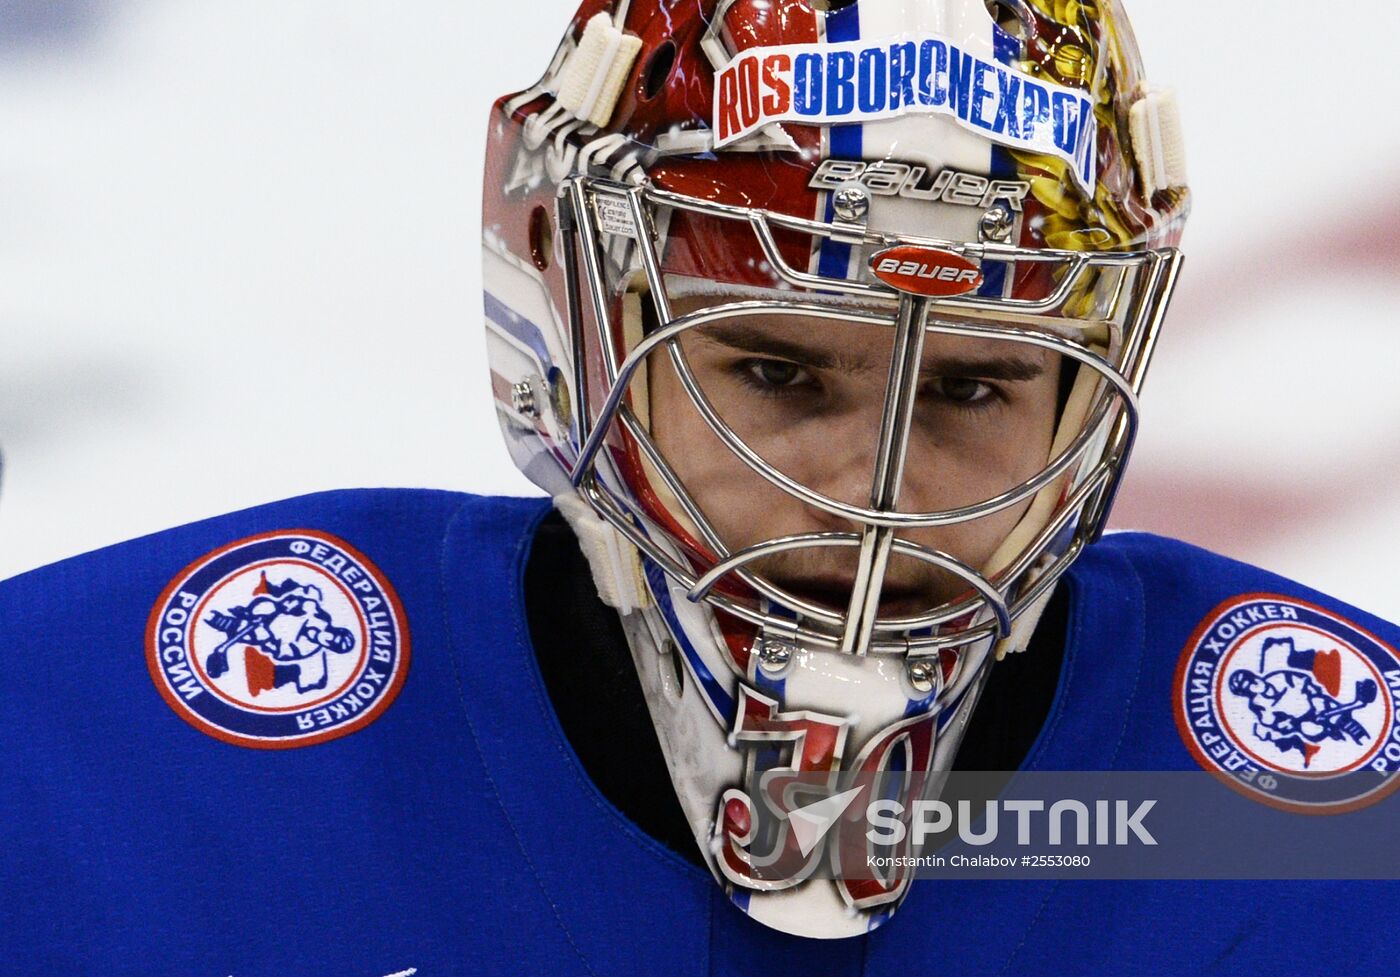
pixel 615 562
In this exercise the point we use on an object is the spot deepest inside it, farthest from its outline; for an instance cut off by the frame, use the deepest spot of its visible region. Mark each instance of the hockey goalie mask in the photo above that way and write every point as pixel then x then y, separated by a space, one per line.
pixel 824 325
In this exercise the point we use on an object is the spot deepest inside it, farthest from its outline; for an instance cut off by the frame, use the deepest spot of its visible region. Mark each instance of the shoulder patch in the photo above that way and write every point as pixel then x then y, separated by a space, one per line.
pixel 277 641
pixel 1291 705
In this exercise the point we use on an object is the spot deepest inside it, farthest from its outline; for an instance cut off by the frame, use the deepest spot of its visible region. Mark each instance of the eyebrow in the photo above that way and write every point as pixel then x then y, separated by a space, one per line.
pixel 752 340
pixel 1008 368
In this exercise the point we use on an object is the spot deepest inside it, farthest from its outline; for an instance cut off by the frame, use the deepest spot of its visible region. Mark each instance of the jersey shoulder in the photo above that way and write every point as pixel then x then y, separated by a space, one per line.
pixel 393 522
pixel 1184 657
pixel 1184 583
pixel 246 617
pixel 232 712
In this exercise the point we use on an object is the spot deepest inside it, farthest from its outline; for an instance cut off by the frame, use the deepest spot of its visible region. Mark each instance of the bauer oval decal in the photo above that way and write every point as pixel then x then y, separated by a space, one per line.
pixel 278 641
pixel 926 271
pixel 1291 705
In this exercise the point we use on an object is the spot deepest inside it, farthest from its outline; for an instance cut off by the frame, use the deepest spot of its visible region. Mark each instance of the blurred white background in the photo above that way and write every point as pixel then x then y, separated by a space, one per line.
pixel 239 262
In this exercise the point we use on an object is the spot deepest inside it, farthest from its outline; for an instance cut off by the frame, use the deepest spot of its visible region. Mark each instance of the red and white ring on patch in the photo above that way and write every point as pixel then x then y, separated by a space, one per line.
pixel 1291 704
pixel 281 640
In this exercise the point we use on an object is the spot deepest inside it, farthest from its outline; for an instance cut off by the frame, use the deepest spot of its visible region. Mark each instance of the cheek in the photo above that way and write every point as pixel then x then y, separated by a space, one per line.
pixel 685 440
pixel 994 461
pixel 733 499
pixel 963 459
pixel 975 542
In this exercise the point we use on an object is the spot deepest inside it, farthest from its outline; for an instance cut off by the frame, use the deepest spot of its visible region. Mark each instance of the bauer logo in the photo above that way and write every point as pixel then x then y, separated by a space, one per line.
pixel 278 641
pixel 1291 704
pixel 926 271
pixel 864 81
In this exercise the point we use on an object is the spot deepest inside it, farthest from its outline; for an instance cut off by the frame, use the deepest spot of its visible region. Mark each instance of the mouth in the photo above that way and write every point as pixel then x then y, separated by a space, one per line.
pixel 834 594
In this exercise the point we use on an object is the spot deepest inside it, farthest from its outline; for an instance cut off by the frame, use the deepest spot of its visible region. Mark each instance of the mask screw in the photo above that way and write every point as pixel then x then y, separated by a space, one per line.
pixel 923 675
pixel 522 399
pixel 775 655
pixel 996 225
pixel 851 203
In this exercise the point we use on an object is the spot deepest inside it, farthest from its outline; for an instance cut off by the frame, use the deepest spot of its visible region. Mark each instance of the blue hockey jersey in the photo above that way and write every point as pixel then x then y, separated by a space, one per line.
pixel 311 738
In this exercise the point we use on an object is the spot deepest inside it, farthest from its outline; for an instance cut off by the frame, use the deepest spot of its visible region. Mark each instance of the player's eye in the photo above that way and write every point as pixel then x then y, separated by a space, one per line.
pixel 962 391
pixel 774 376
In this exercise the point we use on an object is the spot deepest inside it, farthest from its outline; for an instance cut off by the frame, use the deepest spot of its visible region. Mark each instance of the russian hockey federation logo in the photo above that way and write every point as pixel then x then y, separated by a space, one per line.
pixel 1291 704
pixel 278 641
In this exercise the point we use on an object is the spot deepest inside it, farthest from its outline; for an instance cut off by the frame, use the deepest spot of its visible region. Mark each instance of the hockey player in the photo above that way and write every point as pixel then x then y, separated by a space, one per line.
pixel 823 326
pixel 1294 701
pixel 289 625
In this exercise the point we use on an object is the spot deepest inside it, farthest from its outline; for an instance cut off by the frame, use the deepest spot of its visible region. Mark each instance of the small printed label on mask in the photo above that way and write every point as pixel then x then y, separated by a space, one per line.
pixel 615 216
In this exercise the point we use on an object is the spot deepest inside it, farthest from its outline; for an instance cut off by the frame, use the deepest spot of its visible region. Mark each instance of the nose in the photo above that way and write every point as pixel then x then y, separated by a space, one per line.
pixel 840 462
pixel 843 470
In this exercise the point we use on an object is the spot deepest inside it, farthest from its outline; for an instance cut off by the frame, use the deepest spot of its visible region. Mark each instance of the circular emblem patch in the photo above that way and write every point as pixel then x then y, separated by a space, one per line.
pixel 278 641
pixel 1291 705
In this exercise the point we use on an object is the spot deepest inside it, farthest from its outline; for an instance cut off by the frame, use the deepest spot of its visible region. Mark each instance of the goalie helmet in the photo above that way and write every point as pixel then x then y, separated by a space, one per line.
pixel 766 282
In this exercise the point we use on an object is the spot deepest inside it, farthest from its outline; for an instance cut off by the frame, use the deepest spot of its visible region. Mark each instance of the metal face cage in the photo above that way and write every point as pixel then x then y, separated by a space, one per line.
pixel 610 230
